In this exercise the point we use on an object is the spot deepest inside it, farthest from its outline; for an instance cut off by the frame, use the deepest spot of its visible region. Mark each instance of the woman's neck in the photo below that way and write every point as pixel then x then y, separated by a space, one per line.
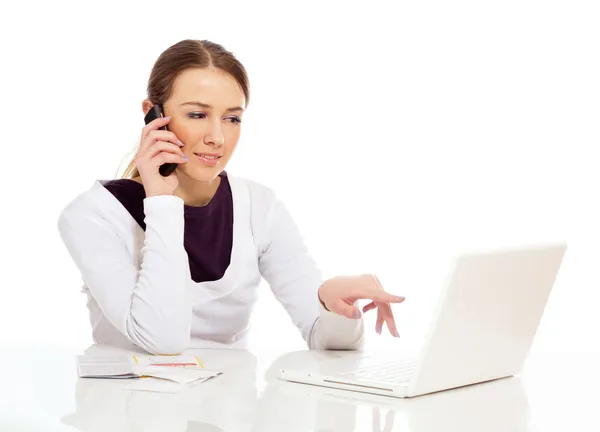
pixel 196 193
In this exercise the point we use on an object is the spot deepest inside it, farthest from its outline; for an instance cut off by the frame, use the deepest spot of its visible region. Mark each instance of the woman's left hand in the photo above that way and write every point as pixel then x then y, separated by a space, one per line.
pixel 340 293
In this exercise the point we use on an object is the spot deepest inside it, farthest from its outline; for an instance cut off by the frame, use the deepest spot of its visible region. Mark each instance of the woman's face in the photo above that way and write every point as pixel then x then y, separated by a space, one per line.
pixel 206 107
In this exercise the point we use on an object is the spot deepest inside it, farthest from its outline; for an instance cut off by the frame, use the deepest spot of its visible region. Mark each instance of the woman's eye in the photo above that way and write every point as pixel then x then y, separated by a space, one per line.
pixel 199 115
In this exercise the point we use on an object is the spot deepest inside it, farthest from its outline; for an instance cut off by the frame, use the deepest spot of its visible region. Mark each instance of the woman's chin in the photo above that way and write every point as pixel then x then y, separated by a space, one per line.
pixel 203 174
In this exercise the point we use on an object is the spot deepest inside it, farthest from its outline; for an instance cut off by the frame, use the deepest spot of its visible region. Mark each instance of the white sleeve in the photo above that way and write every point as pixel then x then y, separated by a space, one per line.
pixel 294 278
pixel 150 306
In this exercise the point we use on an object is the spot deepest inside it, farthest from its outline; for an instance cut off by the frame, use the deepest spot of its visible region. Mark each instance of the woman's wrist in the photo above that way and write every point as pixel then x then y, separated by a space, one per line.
pixel 321 300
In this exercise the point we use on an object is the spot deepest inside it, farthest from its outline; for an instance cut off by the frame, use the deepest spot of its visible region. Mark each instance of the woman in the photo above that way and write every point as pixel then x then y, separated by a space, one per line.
pixel 172 262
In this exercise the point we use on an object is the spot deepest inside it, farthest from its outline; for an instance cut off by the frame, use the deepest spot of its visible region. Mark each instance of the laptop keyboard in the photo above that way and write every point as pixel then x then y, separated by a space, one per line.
pixel 393 372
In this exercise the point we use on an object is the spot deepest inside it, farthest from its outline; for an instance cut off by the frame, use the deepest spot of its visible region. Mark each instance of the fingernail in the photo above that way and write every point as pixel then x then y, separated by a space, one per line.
pixel 396 333
pixel 356 314
pixel 185 158
pixel 180 143
pixel 167 117
pixel 378 331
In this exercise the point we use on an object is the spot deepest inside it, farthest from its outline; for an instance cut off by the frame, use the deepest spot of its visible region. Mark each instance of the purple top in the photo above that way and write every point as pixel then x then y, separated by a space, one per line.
pixel 208 232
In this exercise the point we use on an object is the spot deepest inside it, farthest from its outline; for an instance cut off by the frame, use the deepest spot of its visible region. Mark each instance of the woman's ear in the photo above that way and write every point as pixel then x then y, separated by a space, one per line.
pixel 146 105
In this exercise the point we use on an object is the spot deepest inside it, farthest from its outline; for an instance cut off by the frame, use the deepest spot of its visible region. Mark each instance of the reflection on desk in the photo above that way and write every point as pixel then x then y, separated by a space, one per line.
pixel 249 397
pixel 225 404
pixel 232 403
pixel 495 406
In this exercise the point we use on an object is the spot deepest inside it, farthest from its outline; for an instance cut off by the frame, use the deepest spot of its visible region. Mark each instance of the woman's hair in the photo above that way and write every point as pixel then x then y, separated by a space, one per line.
pixel 184 55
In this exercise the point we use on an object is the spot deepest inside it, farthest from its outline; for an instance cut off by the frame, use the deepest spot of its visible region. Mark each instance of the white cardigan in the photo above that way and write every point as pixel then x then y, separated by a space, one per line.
pixel 139 286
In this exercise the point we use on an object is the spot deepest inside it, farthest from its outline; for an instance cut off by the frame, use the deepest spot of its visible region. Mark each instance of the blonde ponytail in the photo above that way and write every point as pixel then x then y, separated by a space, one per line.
pixel 131 171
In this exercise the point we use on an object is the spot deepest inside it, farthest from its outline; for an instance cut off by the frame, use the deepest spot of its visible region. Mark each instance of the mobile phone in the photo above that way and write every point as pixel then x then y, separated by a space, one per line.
pixel 156 112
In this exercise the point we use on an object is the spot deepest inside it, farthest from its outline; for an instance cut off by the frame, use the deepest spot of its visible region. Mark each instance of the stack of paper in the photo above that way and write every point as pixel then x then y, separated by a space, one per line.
pixel 176 361
pixel 170 380
pixel 167 374
pixel 105 367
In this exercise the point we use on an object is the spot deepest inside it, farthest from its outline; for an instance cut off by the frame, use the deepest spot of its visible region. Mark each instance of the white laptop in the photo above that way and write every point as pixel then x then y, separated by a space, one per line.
pixel 482 329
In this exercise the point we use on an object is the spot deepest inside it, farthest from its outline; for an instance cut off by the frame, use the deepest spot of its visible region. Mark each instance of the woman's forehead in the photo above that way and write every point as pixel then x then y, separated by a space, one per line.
pixel 209 86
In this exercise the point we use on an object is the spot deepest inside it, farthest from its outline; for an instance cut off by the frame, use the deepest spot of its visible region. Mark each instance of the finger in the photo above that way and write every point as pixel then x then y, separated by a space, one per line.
pixel 388 316
pixel 163 158
pixel 154 125
pixel 369 307
pixel 162 146
pixel 377 282
pixel 379 296
pixel 160 135
pixel 344 309
pixel 379 322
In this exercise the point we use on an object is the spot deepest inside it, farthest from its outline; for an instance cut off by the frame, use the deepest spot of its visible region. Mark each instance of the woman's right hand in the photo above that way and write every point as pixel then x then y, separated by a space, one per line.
pixel 156 148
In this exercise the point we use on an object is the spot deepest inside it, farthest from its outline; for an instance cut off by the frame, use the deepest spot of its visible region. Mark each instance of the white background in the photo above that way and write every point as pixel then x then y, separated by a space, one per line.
pixel 398 133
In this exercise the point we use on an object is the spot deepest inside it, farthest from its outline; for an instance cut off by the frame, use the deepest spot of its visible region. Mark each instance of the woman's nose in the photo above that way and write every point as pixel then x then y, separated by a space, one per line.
pixel 214 135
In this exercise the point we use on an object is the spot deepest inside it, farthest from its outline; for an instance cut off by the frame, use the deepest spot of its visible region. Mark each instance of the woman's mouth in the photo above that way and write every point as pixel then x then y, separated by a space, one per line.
pixel 208 159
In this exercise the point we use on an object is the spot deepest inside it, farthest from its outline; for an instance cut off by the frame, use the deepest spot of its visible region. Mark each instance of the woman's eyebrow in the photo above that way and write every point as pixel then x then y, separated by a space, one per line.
pixel 204 105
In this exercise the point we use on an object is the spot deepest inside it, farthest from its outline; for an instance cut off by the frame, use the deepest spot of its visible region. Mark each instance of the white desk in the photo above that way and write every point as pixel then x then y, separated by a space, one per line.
pixel 41 391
